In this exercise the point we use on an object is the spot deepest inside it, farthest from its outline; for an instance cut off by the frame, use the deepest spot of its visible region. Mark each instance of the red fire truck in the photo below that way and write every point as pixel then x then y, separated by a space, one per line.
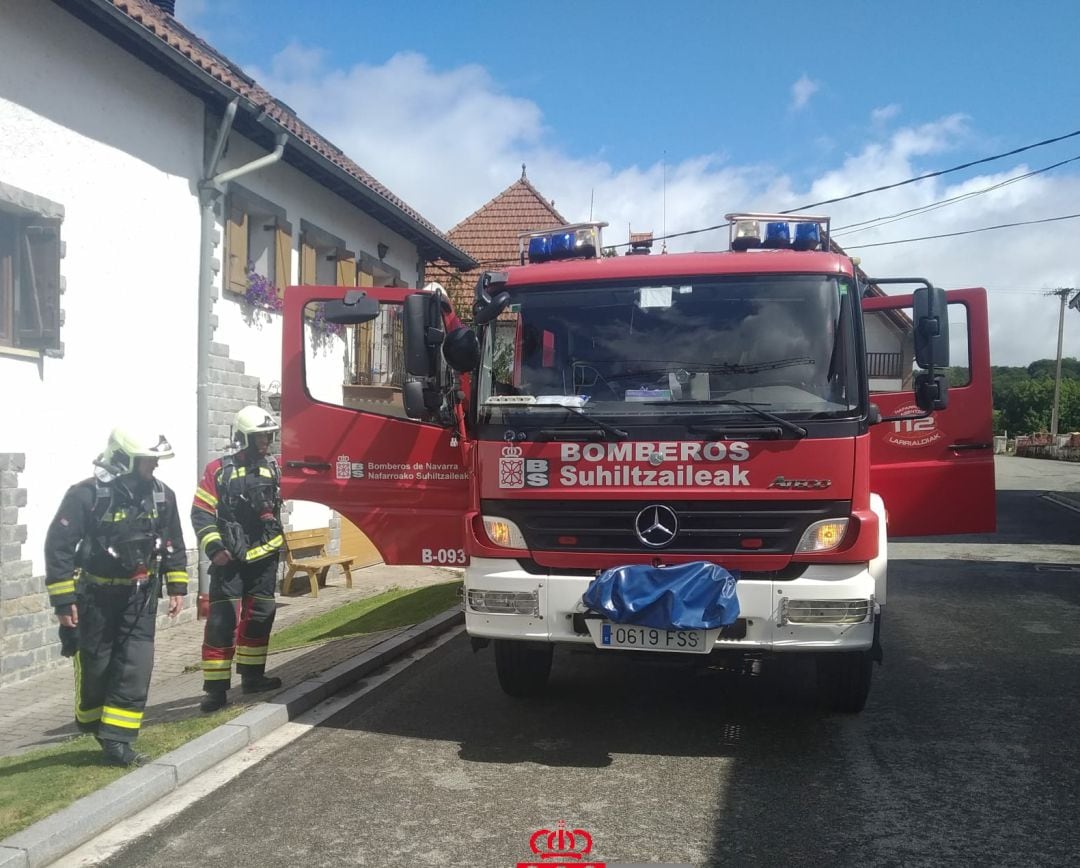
pixel 766 409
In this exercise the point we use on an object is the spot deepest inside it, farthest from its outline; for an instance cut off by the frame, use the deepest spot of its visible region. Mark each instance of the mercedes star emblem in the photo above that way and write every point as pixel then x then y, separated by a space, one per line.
pixel 656 526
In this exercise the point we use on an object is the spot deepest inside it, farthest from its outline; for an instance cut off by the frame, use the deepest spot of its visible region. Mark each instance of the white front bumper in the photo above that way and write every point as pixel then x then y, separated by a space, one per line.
pixel 760 604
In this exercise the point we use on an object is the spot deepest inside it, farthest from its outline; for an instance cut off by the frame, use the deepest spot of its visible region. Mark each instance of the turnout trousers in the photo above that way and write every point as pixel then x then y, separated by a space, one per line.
pixel 115 656
pixel 241 616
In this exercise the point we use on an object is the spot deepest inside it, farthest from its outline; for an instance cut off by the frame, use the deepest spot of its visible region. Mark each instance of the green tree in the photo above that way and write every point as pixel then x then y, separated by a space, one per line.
pixel 1024 396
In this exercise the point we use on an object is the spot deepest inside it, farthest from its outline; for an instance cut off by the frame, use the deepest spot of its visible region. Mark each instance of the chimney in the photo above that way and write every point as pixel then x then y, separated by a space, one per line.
pixel 168 6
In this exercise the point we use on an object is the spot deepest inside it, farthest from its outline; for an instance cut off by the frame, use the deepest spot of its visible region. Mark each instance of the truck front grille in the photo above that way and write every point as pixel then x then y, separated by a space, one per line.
pixel 705 527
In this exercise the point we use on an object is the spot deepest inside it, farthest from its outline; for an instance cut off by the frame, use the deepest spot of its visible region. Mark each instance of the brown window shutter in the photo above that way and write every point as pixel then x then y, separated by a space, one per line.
pixel 236 247
pixel 282 256
pixel 307 261
pixel 39 286
pixel 346 268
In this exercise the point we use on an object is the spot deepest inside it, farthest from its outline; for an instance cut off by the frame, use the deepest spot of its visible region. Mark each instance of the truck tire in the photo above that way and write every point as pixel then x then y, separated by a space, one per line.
pixel 843 680
pixel 523 667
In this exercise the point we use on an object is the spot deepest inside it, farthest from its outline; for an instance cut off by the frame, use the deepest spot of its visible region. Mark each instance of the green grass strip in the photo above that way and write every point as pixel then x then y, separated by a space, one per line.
pixel 40 782
pixel 386 611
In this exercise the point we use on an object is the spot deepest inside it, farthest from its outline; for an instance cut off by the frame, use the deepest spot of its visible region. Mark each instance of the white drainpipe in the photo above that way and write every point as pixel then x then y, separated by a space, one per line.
pixel 211 188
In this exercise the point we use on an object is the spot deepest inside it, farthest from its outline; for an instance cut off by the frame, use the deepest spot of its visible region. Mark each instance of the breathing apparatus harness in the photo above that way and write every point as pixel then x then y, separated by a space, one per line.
pixel 130 534
pixel 257 502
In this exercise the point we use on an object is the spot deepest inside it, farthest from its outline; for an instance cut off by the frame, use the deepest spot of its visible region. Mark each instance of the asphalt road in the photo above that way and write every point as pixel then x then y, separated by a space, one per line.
pixel 967 752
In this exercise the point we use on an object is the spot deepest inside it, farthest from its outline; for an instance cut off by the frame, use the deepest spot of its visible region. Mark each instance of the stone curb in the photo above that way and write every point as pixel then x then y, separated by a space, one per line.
pixel 49 839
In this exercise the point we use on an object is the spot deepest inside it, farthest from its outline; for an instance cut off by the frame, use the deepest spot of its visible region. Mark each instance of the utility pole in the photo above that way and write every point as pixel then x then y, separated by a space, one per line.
pixel 1063 294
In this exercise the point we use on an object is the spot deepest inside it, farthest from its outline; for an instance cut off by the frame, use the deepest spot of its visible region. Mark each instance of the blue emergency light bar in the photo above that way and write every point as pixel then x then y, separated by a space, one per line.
pixel 744 231
pixel 575 241
pixel 777 235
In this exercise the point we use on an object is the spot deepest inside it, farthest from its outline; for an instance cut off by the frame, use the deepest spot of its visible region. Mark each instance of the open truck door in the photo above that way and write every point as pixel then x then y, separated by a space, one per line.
pixel 936 473
pixel 347 441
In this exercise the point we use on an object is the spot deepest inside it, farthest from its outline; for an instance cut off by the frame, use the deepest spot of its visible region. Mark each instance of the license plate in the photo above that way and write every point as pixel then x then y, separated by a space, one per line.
pixel 632 637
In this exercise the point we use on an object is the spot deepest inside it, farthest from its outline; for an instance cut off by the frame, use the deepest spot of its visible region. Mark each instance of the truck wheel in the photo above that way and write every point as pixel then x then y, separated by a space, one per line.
pixel 523 667
pixel 843 680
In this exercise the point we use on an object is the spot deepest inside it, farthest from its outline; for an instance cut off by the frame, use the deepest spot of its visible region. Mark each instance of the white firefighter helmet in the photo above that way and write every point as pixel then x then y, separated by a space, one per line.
pixel 126 443
pixel 252 420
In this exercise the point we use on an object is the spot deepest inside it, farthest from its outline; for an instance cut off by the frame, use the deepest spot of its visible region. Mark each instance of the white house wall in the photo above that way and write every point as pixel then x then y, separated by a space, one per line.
pixel 259 347
pixel 91 128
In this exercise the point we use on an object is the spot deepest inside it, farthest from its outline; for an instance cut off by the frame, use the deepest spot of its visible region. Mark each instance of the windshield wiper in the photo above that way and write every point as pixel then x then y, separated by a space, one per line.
pixel 604 429
pixel 757 432
pixel 786 424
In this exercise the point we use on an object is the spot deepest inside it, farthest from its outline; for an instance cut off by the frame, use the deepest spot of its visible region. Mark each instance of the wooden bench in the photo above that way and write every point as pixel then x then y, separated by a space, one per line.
pixel 305 553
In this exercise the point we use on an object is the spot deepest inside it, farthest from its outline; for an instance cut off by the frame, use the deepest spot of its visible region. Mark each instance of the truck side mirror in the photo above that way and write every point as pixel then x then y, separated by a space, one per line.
pixel 424 336
pixel 486 308
pixel 354 309
pixel 931 312
pixel 420 402
pixel 461 349
pixel 931 393
pixel 485 313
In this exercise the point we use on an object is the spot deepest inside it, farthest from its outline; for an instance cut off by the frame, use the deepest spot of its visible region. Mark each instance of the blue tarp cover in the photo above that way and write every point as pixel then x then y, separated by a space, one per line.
pixel 694 596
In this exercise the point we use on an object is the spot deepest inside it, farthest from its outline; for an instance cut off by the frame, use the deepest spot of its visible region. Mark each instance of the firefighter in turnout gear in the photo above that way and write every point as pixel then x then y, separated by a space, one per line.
pixel 237 518
pixel 114 541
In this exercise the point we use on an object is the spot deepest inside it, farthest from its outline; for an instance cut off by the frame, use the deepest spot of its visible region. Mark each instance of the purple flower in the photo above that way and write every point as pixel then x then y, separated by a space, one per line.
pixel 261 293
pixel 319 323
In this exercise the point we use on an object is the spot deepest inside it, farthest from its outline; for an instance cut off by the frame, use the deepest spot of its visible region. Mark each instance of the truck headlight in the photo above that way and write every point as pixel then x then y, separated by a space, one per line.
pixel 822 536
pixel 503 532
pixel 825 611
pixel 504 602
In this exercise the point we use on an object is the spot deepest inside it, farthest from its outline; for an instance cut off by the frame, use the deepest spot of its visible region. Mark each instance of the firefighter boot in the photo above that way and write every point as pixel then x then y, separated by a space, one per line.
pixel 120 753
pixel 213 700
pixel 259 683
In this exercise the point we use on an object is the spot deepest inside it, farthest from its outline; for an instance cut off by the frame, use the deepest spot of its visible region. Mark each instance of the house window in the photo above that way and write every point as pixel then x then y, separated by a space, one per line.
pixel 324 258
pixel 258 238
pixel 376 351
pixel 30 252
pixel 374 272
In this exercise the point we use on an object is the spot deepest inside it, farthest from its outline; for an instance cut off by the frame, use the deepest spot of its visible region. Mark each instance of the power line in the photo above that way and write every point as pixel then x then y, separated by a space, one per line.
pixel 877 222
pixel 883 187
pixel 963 232
pixel 937 173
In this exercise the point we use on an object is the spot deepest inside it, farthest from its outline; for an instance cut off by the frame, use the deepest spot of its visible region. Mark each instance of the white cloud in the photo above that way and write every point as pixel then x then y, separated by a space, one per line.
pixel 884 114
pixel 802 90
pixel 446 141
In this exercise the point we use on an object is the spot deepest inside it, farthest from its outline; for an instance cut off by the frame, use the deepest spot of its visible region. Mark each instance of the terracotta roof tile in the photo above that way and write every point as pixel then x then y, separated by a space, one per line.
pixel 203 55
pixel 490 236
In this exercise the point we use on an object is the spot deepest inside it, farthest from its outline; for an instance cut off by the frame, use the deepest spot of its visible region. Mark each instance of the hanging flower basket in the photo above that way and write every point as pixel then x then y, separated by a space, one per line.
pixel 261 297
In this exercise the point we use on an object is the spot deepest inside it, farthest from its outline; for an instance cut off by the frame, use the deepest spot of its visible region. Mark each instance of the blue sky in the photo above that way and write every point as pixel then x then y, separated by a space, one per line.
pixel 741 105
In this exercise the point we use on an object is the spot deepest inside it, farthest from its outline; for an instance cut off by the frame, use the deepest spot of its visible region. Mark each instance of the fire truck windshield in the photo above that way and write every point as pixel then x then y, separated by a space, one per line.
pixel 693 347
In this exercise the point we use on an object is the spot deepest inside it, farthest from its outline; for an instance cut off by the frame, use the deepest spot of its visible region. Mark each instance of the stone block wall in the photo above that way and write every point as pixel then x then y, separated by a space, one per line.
pixel 230 390
pixel 28 641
